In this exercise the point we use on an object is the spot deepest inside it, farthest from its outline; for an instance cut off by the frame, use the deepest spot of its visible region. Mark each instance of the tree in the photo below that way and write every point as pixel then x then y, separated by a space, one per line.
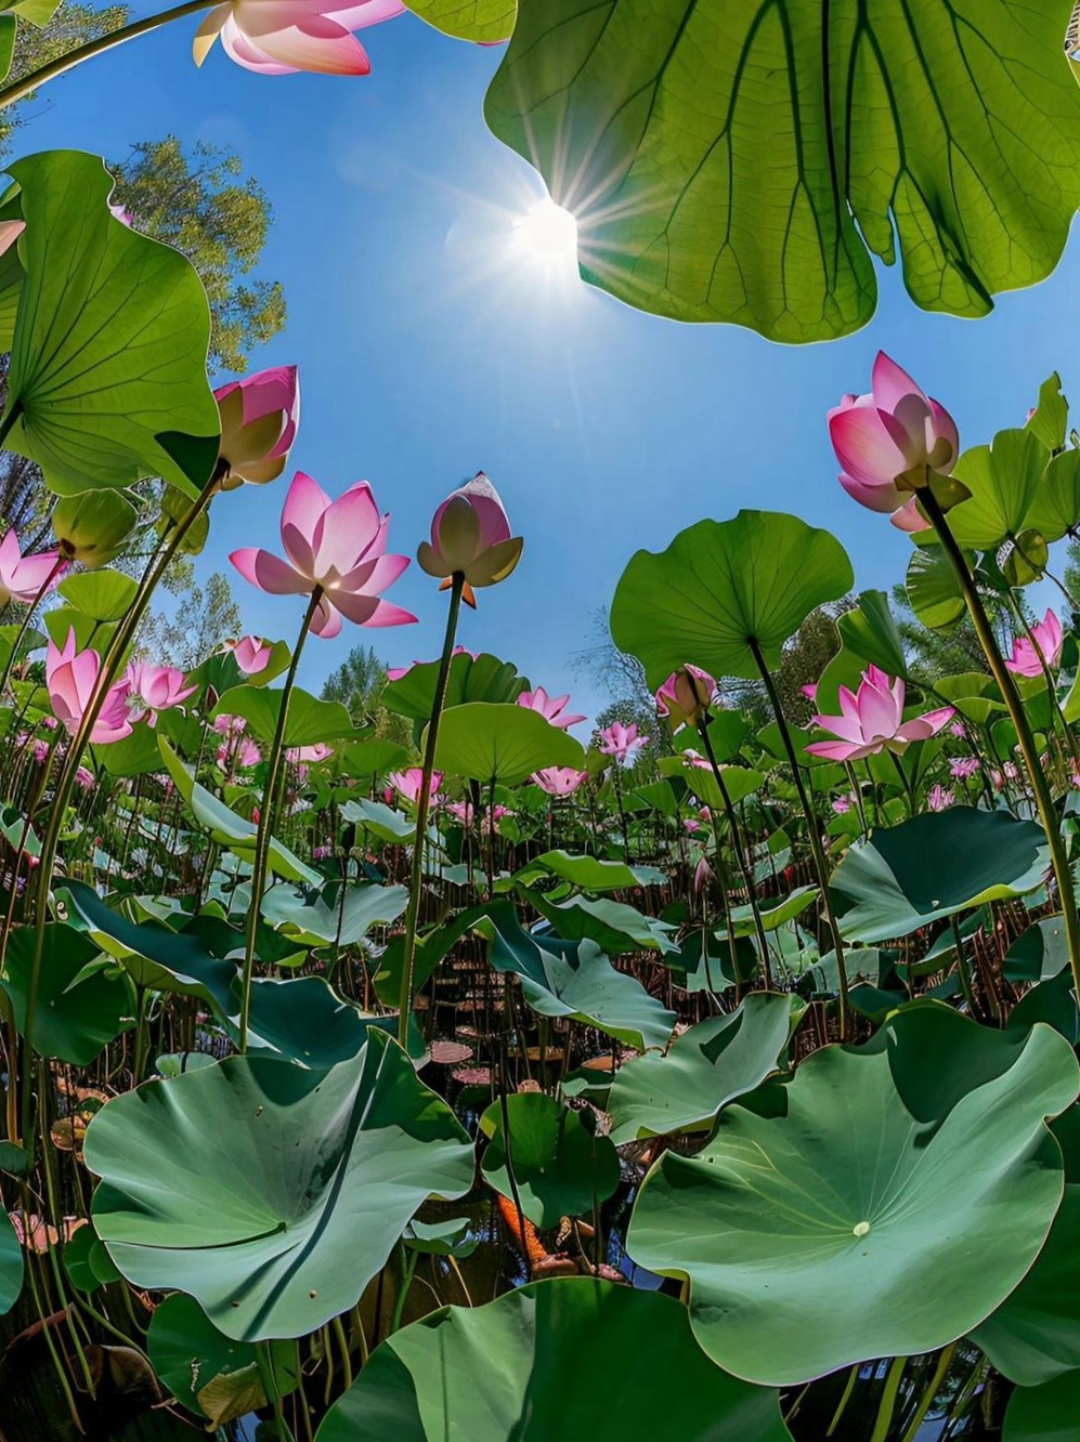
pixel 358 684
pixel 208 616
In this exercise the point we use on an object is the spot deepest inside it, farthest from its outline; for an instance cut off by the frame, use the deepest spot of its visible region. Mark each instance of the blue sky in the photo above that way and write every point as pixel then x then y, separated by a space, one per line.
pixel 429 347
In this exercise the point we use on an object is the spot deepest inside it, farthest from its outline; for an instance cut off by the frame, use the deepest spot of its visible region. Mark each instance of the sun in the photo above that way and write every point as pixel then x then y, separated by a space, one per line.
pixel 547 235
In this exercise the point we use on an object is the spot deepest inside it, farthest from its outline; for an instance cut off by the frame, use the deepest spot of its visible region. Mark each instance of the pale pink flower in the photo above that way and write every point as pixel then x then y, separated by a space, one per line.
pixel 491 817
pixel 248 754
pixel 26 578
pixel 71 677
pixel 281 37
pixel 40 750
pixel 1045 641
pixel 251 654
pixel 152 689
pixel 957 729
pixel 559 780
pixel 890 442
pixel 961 767
pixel 686 695
pixel 843 804
pixel 622 743
pixel 470 537
pixel 408 783
pixel 703 874
pixel 226 725
pixel 873 721
pixel 461 811
pixel 939 798
pixel 336 546
pixel 318 752
pixel 85 778
pixel 552 708
pixel 321 853
pixel 259 415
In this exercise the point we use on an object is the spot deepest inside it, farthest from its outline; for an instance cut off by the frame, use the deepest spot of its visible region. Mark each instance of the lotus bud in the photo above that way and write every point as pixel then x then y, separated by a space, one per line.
pixel 685 697
pixel 93 527
pixel 470 537
pixel 259 417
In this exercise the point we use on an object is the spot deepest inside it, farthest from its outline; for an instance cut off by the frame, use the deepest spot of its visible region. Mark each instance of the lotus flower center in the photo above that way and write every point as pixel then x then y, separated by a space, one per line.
pixel 861 1228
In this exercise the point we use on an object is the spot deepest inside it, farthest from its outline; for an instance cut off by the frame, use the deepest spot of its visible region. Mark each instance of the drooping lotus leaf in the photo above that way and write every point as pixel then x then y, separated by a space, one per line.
pixel 561 1168
pixel 381 820
pixel 1044 1414
pixel 882 1204
pixel 507 743
pixel 108 366
pixel 870 631
pixel 575 979
pixel 11 1264
pixel 741 162
pixel 707 1067
pixel 932 587
pixel 613 925
pixel 86 1262
pixel 772 915
pixel 269 1193
pixel 739 781
pixel 348 921
pixel 720 585
pixel 76 1016
pixel 537 1364
pixel 590 873
pixel 309 721
pixel 933 866
pixel 304 1020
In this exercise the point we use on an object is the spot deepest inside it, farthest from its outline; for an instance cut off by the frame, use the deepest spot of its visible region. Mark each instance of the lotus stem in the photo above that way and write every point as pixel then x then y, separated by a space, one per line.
pixel 423 805
pixel 1015 706
pixel 932 1389
pixel 266 819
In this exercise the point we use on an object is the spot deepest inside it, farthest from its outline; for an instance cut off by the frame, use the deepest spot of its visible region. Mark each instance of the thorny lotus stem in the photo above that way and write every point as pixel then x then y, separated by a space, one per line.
pixel 110 665
pixel 1001 674
pixel 266 819
pixel 740 854
pixel 29 83
pixel 812 827
pixel 408 960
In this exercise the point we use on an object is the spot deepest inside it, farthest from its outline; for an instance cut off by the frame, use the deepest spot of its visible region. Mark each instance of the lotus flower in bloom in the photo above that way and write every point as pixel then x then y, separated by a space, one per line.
pixel 559 780
pixel 339 546
pixel 622 742
pixel 873 721
pixel 939 798
pixel 890 442
pixel 408 783
pixel 686 696
pixel 229 725
pixel 251 654
pixel 244 754
pixel 280 37
pixel 85 778
pixel 26 578
pixel 552 708
pixel 70 678
pixel 1048 637
pixel 843 804
pixel 153 689
pixel 259 417
pixel 470 537
pixel 299 755
pixel 963 766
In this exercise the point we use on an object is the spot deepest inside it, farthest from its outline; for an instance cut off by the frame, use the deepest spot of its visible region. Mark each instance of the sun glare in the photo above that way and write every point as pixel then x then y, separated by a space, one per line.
pixel 548 234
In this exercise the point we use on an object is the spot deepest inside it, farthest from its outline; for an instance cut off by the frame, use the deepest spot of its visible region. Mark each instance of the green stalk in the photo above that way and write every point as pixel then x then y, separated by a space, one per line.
pixel 22 88
pixel 423 805
pixel 267 818
pixel 1043 800
pixel 893 1378
pixel 812 827
pixel 932 1389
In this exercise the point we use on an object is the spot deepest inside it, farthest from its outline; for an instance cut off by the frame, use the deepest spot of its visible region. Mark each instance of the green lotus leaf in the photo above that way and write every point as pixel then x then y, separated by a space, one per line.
pixel 11 1264
pixel 381 820
pixel 346 922
pixel 772 916
pixel 484 22
pixel 575 979
pixel 932 588
pixel 269 1193
pixel 1055 508
pixel 739 781
pixel 870 631
pixel 489 742
pixel 883 1204
pixel 108 366
pixel 561 1168
pixel 135 755
pixel 77 1015
pixel 86 1261
pixel 933 866
pixel 101 595
pixel 361 759
pixel 309 721
pixel 536 1365
pixel 720 586
pixel 1039 953
pixel 1004 478
pixel 590 873
pixel 304 1020
pixel 744 163
pixel 471 679
pixel 707 1067
pixel 1044 1414
pixel 1050 418
pixel 613 925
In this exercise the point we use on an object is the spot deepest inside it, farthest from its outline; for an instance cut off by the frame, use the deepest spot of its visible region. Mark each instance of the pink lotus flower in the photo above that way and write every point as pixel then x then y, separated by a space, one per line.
pixel 470 537
pixel 321 853
pixel 26 578
pixel 552 708
pixel 248 754
pixel 622 742
pixel 873 721
pixel 843 804
pixel 1045 641
pixel 956 728
pixel 259 417
pixel 686 695
pixel 810 692
pixel 939 799
pixel 461 811
pixel 71 678
pixel 703 874
pixel 961 767
pixel 298 755
pixel 395 673
pixel 890 442
pixel 695 823
pixel 408 783
pixel 85 778
pixel 281 37
pixel 154 689
pixel 559 780
pixel 251 654
pixel 338 546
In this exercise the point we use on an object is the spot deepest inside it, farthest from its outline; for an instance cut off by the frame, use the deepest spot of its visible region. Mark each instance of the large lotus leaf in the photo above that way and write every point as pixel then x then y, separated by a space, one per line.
pixel 613 925
pixel 347 921
pixel 272 1194
pixel 933 866
pixel 870 631
pixel 76 1016
pixel 11 1264
pixel 883 1204
pixel 471 678
pixel 560 1167
pixel 1004 478
pixel 575 979
pixel 739 781
pixel 707 1067
pixel 108 366
pixel 1039 953
pixel 227 828
pixel 484 22
pixel 362 759
pixel 1055 508
pixel 1044 1414
pixel 932 587
pixel 742 162
pixel 304 1020
pixel 590 873
pixel 772 916
pixel 381 820
pixel 720 585
pixel 488 742
pixel 309 721
pixel 537 1365
pixel 101 595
